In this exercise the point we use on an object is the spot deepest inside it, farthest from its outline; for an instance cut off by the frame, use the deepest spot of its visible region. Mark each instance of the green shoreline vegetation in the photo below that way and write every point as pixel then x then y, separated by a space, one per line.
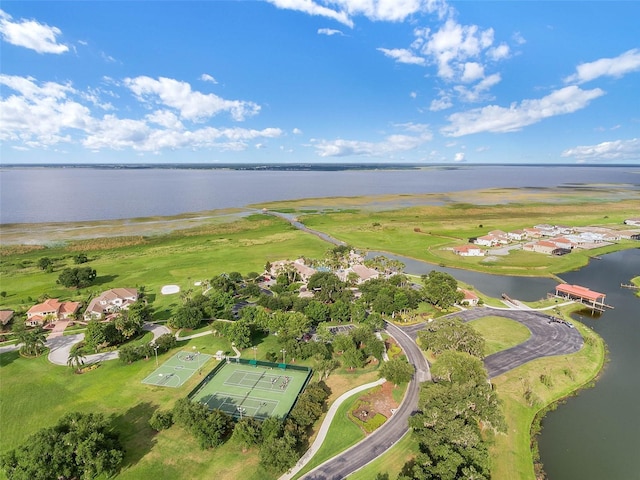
pixel 211 247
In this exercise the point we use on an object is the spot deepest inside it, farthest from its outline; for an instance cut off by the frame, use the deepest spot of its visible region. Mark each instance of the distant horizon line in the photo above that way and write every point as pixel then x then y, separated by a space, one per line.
pixel 303 165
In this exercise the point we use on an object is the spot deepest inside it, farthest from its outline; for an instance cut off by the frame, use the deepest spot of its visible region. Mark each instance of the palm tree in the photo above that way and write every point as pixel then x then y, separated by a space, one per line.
pixel 76 359
pixel 33 341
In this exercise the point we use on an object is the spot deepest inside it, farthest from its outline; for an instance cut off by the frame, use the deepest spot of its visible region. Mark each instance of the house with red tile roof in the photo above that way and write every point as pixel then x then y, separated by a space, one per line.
pixel 468 251
pixel 470 298
pixel 51 310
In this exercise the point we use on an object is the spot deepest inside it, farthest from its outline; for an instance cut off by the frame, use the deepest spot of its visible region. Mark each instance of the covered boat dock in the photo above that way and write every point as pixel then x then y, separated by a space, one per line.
pixel 582 294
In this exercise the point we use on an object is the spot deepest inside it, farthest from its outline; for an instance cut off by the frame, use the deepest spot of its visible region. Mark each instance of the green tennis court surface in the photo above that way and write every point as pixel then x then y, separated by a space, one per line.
pixel 260 390
pixel 178 369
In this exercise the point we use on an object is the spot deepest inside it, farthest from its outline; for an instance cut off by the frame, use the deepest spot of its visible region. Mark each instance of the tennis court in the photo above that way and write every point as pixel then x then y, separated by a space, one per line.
pixel 255 389
pixel 177 370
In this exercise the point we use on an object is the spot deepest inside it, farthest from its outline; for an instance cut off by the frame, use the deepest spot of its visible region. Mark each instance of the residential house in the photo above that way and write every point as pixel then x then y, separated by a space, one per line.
pixel 470 298
pixel 532 233
pixel 303 271
pixel 51 310
pixel 109 302
pixel 468 251
pixel 517 235
pixel 562 242
pixel 487 241
pixel 5 316
pixel 364 273
pixel 541 246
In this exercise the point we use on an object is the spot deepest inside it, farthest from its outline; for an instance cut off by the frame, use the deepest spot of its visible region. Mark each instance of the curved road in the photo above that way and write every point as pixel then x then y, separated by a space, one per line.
pixel 547 339
pixel 393 430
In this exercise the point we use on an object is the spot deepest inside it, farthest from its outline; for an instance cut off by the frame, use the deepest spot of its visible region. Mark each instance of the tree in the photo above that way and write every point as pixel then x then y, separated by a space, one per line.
pixel 129 322
pixel 44 263
pixel 80 258
pixel 342 342
pixel 77 277
pixel 279 454
pixel 32 340
pixel 247 433
pixel 352 358
pixel 451 334
pixel 210 428
pixel 94 335
pixel 76 359
pixel 317 312
pixel 161 420
pixel 397 370
pixel 326 286
pixel 80 445
pixel 239 332
pixel 441 289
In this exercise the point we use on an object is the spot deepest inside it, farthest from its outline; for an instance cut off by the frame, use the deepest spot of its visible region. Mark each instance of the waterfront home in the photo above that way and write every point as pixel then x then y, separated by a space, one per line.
pixel 51 310
pixel 281 266
pixel 110 301
pixel 468 251
pixel 470 298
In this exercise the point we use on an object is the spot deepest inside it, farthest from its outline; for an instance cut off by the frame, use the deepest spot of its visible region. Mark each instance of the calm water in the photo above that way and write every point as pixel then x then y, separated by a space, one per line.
pixel 596 435
pixel 31 195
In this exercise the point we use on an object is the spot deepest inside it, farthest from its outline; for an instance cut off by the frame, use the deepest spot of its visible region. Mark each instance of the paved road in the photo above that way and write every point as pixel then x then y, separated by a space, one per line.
pixel 393 430
pixel 60 347
pixel 547 339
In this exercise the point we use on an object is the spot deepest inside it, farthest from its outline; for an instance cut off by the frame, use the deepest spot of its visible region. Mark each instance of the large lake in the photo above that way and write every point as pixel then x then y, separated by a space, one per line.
pixel 47 194
pixel 593 436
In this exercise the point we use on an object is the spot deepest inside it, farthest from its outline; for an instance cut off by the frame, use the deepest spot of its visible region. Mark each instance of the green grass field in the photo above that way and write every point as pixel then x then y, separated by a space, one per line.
pixel 500 333
pixel 36 394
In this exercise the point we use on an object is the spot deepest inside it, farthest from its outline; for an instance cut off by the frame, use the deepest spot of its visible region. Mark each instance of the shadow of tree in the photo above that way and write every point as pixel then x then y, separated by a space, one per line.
pixel 136 435
pixel 103 279
pixel 8 357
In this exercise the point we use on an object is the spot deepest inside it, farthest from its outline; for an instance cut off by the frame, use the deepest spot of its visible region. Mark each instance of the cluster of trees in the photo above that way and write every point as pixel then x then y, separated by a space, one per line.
pixel 78 277
pixel 126 325
pixel 458 411
pixel 281 442
pixel 32 340
pixel 390 296
pixel 451 334
pixel 441 289
pixel 397 370
pixel 132 353
pixel 356 346
pixel 81 446
pixel 215 304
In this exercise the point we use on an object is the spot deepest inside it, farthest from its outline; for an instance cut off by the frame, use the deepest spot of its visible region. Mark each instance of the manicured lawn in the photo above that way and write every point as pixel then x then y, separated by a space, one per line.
pixel 500 333
pixel 153 262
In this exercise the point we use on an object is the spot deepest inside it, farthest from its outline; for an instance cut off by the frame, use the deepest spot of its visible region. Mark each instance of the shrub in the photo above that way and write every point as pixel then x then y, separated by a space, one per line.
pixel 161 420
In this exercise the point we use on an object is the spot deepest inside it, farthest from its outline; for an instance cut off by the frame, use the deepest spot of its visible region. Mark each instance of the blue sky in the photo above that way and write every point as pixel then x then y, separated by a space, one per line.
pixel 282 81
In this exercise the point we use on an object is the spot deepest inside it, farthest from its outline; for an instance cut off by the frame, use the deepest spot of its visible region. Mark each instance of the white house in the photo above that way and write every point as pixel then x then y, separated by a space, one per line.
pixel 517 235
pixel 468 251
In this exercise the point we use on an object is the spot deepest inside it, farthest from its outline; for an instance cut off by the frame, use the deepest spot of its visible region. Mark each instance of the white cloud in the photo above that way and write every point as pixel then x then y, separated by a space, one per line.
pixel 616 67
pixel 441 103
pixel 40 115
pixel 390 145
pixel 518 38
pixel 614 150
pixel 329 32
pixel 297 131
pixel 343 11
pixel 477 92
pixel 31 34
pixel 500 52
pixel 43 114
pixel 194 106
pixel 413 95
pixel 205 77
pixel 472 71
pixel 459 157
pixel 494 118
pixel 452 45
pixel 402 55
pixel 311 8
